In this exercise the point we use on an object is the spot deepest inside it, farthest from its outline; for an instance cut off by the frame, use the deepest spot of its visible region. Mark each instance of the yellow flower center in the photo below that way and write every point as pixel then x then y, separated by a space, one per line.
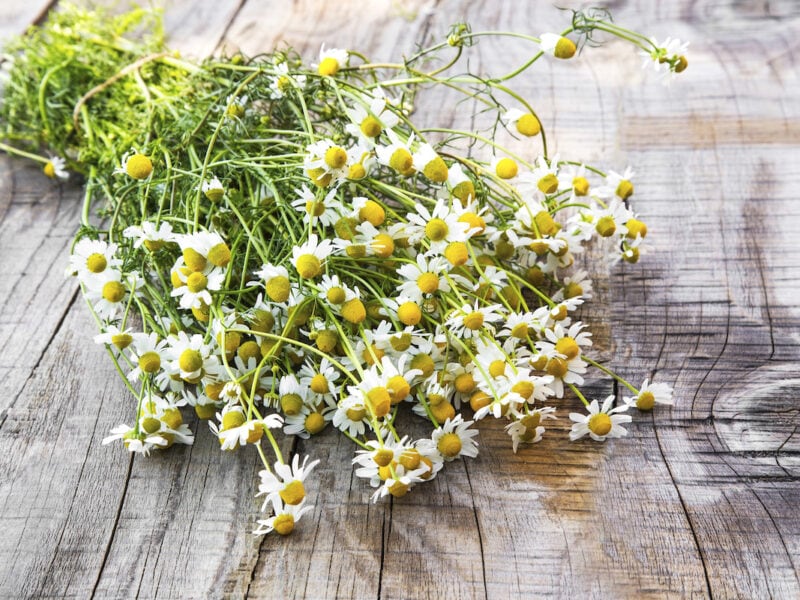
pixel 219 255
pixel 214 194
pixel 278 288
pixel 436 170
pixel 474 320
pixel 308 266
pixel 328 66
pixel 335 157
pixel 380 400
pixel 436 229
pixel 382 245
pixel 319 384
pixel 150 362
pixel 636 228
pixel 190 361
pixel 327 340
pixel 354 311
pixel 232 419
pixel 291 404
pixel 545 223
pixel 314 423
pixel 255 434
pixel 565 48
pixel 497 368
pixel 356 413
pixel 645 401
pixel 400 342
pixel 464 191
pixel 113 291
pixel 681 65
pixel 625 189
pixel 479 399
pixel 154 245
pixel 520 331
pixel 398 387
pixel 398 489
pixel 96 263
pixel 335 295
pixel 50 170
pixel 196 282
pixel 631 256
pixel 139 166
pixel 535 276
pixel 523 388
pixel 293 492
pixel 474 221
pixel 249 350
pixel 235 110
pixel 568 347
pixel 410 459
pixel 315 209
pixel 606 226
pixel 572 290
pixel 409 313
pixel 194 260
pixel 464 383
pixel 580 186
pixel 402 161
pixel 283 524
pixel 371 127
pixel 319 177
pixel 456 253
pixel 122 340
pixel 506 168
pixel 372 354
pixel 382 457
pixel 528 125
pixel 424 363
pixel 356 172
pixel 428 283
pixel 548 184
pixel 449 445
pixel 372 212
pixel 557 367
pixel 600 424
pixel 151 424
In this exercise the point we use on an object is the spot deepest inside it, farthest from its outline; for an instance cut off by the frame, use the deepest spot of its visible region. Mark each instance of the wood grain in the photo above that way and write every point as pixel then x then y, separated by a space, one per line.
pixel 700 501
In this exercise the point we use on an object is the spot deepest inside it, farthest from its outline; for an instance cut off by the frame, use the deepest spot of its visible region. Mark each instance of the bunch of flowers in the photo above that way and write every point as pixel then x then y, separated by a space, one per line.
pixel 281 249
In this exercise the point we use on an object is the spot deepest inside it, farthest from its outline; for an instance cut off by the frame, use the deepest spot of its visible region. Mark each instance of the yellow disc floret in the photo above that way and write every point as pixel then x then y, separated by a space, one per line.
pixel 335 157
pixel 278 288
pixel 308 266
pixel 409 313
pixel 139 166
pixel 371 127
pixel 328 66
pixel 96 263
pixel 449 445
pixel 113 291
pixel 600 424
pixel 354 311
pixel 293 492
pixel 565 48
pixel 506 168
pixel 528 125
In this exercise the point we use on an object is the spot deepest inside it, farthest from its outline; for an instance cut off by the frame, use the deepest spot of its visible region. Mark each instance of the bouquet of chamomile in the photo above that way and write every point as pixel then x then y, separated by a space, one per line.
pixel 274 244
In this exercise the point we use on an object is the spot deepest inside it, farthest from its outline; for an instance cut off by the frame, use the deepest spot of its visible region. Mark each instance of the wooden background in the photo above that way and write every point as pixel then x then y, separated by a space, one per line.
pixel 699 501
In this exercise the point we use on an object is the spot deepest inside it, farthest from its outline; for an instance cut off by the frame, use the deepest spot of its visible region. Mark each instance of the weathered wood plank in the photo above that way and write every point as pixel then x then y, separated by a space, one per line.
pixel 700 500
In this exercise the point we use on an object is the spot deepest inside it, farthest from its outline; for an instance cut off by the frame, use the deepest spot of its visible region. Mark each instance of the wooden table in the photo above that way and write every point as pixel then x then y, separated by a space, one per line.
pixel 699 501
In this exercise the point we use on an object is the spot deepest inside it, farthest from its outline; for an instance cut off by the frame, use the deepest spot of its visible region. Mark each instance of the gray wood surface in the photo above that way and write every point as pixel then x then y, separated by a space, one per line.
pixel 699 501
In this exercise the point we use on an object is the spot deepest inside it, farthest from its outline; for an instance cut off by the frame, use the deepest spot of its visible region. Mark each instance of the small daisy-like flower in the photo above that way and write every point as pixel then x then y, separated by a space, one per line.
pixel 454 439
pixel 108 293
pixel 600 422
pixel 524 123
pixel 190 358
pixel 113 335
pixel 528 429
pixel 430 164
pixel 557 45
pixel 204 250
pixel 618 185
pixel 309 257
pixel 284 519
pixel 369 122
pixel 575 285
pixel 236 430
pixel 197 287
pixel 135 165
pixel 276 282
pixel 401 482
pixel 666 58
pixel 472 320
pixel 311 420
pixel 423 277
pixel 326 161
pixel 153 238
pixel 213 189
pixel 284 81
pixel 331 60
pixel 397 154
pixel 56 168
pixel 460 185
pixel 141 443
pixel 324 211
pixel 351 416
pixel 236 106
pixel 649 395
pixel 91 258
pixel 285 482
pixel 147 353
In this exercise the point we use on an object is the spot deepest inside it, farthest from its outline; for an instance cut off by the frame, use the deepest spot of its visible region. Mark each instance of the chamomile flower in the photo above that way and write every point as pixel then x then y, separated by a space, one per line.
pixel 455 438
pixel 600 423
pixel 139 443
pixel 276 282
pixel 371 116
pixel 190 358
pixel 618 185
pixel 524 123
pixel 135 165
pixel 331 60
pixel 528 429
pixel 147 352
pixel 423 277
pixel 148 235
pixel 311 420
pixel 649 395
pixel 56 168
pixel 196 288
pixel 557 45
pixel 309 258
pixel 283 81
pixel 351 416
pixel 113 335
pixel 91 258
pixel 284 519
pixel 285 482
pixel 473 320
pixel 324 211
pixel 666 58
pixel 213 189
pixel 109 293
pixel 397 154
pixel 430 164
